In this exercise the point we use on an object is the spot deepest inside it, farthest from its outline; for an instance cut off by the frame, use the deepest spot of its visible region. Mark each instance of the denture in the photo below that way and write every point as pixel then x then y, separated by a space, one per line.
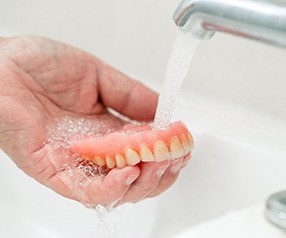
pixel 134 144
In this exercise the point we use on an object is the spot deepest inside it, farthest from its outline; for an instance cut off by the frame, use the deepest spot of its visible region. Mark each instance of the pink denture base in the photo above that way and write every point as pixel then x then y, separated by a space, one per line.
pixel 130 136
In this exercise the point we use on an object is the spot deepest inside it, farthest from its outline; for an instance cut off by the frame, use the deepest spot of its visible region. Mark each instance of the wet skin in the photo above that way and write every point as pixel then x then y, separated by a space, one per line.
pixel 42 80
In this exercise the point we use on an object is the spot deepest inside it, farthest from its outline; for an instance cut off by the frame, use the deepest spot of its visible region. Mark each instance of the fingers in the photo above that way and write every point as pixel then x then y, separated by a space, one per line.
pixel 154 179
pixel 148 180
pixel 170 175
pixel 103 190
pixel 125 95
pixel 168 178
pixel 129 184
pixel 132 184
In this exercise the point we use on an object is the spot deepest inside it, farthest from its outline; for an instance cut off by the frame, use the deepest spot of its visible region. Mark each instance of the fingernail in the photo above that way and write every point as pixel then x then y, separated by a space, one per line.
pixel 130 180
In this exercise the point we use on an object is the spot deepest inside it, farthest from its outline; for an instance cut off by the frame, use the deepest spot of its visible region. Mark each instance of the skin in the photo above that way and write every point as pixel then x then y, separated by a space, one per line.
pixel 42 80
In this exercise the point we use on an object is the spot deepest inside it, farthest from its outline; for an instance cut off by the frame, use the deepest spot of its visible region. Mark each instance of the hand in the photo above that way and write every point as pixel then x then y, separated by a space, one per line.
pixel 42 81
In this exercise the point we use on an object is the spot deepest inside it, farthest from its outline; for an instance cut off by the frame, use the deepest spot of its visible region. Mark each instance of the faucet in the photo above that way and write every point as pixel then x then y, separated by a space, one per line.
pixel 262 20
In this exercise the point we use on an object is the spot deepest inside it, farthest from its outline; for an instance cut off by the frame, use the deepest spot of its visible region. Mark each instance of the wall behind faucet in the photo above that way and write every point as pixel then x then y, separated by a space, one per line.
pixel 137 37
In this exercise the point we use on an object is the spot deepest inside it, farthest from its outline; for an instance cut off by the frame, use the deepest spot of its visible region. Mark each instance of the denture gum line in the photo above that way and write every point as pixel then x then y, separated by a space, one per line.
pixel 156 149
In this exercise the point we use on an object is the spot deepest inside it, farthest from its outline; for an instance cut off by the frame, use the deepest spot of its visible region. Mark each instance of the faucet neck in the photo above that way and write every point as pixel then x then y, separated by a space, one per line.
pixel 263 20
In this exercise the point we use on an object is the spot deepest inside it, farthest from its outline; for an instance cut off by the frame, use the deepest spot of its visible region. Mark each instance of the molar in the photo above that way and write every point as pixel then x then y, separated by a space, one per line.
pixel 186 144
pixel 176 148
pixel 190 140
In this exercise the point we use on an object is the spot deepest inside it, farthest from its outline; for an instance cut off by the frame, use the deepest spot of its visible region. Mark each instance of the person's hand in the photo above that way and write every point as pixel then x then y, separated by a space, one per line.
pixel 42 81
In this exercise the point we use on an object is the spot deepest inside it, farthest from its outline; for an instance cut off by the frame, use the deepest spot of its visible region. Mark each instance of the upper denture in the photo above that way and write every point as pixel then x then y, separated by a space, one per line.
pixel 134 144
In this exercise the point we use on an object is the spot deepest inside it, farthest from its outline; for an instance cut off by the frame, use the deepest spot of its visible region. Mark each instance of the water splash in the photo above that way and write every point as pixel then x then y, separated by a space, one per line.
pixel 178 65
pixel 61 135
pixel 107 226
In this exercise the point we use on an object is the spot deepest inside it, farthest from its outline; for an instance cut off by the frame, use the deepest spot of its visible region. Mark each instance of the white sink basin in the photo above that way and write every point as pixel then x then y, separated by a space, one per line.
pixel 237 162
pixel 239 157
pixel 249 222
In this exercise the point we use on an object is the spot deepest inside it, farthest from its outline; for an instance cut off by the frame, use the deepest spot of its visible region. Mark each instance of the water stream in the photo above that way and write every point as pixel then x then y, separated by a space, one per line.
pixel 76 128
pixel 177 69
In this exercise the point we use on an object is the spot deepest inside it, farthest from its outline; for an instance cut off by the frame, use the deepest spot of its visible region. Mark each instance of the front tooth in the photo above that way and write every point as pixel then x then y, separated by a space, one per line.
pixel 110 162
pixel 120 161
pixel 98 160
pixel 176 148
pixel 186 145
pixel 131 156
pixel 146 154
pixel 161 151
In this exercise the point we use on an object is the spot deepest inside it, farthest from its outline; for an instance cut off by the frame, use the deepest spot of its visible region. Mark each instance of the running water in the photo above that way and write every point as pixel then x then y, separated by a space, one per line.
pixel 68 129
pixel 73 128
pixel 177 69
pixel 107 226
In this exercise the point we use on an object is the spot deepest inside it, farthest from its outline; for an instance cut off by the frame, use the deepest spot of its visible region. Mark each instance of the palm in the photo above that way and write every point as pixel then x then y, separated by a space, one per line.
pixel 46 80
pixel 50 80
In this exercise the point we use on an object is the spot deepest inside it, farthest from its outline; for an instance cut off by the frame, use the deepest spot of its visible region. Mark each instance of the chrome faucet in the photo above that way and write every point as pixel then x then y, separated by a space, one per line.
pixel 263 20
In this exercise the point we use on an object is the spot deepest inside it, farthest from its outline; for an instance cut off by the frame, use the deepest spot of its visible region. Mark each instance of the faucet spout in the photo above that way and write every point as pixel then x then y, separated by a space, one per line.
pixel 262 20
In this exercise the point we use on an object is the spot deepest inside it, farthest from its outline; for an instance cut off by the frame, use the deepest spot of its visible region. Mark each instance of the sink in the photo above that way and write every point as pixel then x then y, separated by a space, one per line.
pixel 239 156
pixel 238 161
pixel 249 222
